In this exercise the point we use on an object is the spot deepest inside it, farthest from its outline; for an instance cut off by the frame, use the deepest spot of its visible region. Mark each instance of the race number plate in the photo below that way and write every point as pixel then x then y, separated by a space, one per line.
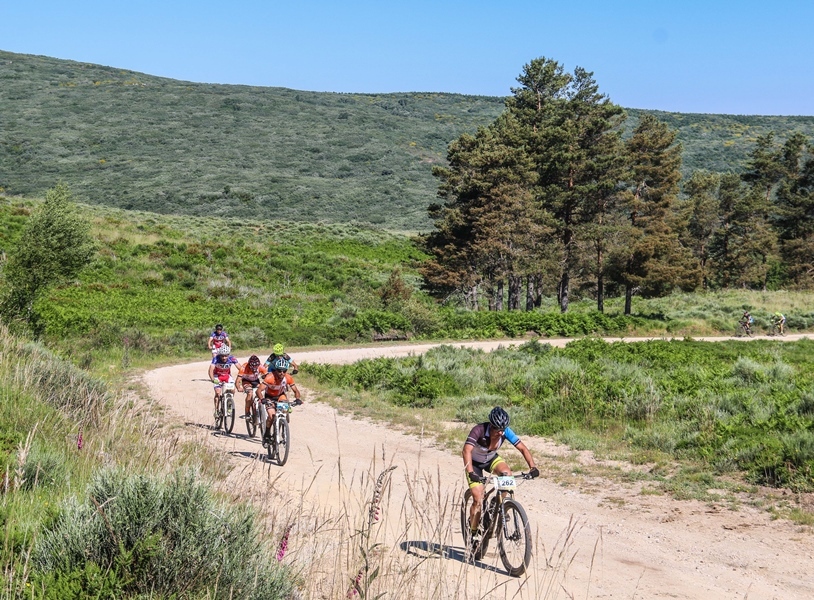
pixel 284 406
pixel 506 482
pixel 229 386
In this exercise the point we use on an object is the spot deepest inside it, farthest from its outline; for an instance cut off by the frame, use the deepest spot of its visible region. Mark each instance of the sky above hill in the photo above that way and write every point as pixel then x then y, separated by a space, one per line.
pixel 713 56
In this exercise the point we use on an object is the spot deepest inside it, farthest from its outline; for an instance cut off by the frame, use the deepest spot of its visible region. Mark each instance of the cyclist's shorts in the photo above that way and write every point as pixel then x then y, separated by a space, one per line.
pixel 254 384
pixel 479 467
pixel 273 400
pixel 220 382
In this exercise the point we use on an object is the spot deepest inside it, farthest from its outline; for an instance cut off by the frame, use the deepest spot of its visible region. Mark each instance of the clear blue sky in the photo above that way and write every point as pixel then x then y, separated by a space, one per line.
pixel 714 56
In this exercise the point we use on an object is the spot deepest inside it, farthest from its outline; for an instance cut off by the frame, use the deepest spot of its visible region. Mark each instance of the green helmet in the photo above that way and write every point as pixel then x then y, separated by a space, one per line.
pixel 278 349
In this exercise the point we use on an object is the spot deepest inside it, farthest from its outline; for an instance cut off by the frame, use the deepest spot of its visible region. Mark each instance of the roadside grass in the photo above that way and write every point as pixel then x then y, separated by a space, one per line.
pixel 160 282
pixel 688 417
pixel 143 507
pixel 98 498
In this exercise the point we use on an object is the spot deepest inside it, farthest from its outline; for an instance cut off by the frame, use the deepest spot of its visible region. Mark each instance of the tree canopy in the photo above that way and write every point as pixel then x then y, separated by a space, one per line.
pixel 55 245
pixel 550 195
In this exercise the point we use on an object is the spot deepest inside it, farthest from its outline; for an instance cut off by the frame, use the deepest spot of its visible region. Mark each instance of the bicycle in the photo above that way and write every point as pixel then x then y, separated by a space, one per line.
pixel 225 414
pixel 277 447
pixel 777 329
pixel 744 329
pixel 252 421
pixel 502 516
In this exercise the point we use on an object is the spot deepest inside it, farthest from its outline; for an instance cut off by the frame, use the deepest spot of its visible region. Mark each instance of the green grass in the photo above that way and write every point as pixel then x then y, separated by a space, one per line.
pixel 77 527
pixel 131 140
pixel 159 283
pixel 732 407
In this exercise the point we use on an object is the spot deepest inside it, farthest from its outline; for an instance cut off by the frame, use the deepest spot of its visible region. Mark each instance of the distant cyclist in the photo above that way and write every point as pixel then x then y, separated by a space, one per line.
pixel 217 339
pixel 278 351
pixel 273 389
pixel 220 371
pixel 248 380
pixel 746 322
pixel 779 321
pixel 480 454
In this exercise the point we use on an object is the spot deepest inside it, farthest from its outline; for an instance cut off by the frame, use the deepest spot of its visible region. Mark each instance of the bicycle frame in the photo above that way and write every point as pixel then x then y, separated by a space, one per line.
pixel 503 518
pixel 502 487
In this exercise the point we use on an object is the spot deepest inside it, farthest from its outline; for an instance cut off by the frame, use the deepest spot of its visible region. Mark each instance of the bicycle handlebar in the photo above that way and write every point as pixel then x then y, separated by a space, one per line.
pixel 520 476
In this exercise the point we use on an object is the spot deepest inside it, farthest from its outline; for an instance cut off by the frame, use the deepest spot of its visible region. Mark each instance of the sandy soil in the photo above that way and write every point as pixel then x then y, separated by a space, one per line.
pixel 595 538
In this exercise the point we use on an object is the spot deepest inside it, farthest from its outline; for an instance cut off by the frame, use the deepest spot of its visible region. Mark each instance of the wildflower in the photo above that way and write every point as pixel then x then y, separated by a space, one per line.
pixel 281 549
pixel 373 514
pixel 354 587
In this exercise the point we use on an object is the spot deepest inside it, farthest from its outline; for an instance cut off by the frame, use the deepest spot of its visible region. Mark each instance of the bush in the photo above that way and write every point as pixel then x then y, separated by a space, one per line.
pixel 738 406
pixel 157 536
pixel 43 467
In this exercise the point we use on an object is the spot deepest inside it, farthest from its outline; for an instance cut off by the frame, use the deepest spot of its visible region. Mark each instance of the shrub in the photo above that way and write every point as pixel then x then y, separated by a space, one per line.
pixel 157 536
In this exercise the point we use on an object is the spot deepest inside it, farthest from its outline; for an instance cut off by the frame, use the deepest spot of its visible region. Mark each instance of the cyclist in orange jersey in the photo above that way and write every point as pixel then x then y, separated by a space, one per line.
pixel 248 380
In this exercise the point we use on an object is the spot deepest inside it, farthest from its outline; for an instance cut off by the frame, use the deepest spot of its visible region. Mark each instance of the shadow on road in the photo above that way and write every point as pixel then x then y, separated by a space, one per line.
pixel 424 549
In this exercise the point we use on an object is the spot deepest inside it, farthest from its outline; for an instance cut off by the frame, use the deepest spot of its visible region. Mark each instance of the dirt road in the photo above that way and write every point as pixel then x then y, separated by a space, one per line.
pixel 596 538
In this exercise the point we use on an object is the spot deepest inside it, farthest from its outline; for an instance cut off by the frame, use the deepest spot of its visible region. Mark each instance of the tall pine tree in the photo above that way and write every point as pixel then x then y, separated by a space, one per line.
pixel 654 261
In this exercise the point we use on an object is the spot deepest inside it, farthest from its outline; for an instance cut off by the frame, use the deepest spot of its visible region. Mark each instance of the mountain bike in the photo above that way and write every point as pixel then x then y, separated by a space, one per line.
pixel 776 329
pixel 503 517
pixel 744 329
pixel 278 448
pixel 253 421
pixel 225 414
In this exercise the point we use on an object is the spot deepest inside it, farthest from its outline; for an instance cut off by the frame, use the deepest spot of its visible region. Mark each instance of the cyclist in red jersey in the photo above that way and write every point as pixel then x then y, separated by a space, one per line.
pixel 220 371
pixel 217 339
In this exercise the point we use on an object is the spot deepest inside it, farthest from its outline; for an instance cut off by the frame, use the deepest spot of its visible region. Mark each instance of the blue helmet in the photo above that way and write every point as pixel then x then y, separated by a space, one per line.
pixel 280 364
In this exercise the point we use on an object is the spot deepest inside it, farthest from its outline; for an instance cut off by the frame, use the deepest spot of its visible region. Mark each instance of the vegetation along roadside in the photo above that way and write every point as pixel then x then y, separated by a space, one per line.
pixel 732 407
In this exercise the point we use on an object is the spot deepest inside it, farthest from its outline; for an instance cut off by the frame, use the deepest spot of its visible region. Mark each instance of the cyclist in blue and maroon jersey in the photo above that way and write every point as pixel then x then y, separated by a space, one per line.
pixel 217 339
pixel 480 454
pixel 220 370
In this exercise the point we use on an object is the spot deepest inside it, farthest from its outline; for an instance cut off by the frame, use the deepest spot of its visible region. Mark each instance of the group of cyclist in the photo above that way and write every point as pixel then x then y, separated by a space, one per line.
pixel 269 382
pixel 778 320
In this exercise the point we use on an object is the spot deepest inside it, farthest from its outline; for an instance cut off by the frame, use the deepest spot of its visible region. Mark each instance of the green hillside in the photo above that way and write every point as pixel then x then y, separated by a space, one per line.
pixel 135 141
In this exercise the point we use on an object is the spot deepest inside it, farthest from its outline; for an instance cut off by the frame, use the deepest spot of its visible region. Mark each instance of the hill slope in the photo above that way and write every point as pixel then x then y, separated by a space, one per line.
pixel 131 140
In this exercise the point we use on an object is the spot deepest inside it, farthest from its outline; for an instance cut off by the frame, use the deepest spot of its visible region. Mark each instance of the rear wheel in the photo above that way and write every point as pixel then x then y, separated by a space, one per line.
pixel 251 424
pixel 514 538
pixel 271 448
pixel 466 531
pixel 228 412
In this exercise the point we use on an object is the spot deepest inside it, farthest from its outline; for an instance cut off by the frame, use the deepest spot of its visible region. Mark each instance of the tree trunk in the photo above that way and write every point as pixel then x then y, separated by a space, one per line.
pixel 564 290
pixel 566 271
pixel 600 282
pixel 529 293
pixel 515 287
pixel 498 297
pixel 600 293
pixel 628 298
pixel 472 298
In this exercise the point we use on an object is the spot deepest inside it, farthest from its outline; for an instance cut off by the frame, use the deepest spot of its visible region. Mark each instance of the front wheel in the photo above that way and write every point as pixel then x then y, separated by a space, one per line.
pixel 514 538
pixel 228 412
pixel 282 442
pixel 219 413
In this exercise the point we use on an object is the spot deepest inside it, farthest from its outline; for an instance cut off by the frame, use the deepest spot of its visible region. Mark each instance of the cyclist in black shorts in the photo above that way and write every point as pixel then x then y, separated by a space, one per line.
pixel 480 454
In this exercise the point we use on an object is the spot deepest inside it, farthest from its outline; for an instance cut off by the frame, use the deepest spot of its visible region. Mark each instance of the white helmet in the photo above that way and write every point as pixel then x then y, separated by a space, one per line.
pixel 224 351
